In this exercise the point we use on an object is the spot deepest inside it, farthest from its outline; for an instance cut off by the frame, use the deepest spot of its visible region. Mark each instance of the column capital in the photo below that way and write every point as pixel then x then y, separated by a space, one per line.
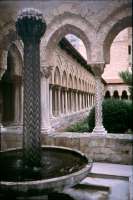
pixel 65 89
pixel 97 68
pixel 30 25
pixel 58 87
pixel 51 86
pixel 46 71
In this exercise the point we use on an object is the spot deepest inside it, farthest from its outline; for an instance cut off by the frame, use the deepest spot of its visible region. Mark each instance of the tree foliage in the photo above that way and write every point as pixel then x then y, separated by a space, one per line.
pixel 126 76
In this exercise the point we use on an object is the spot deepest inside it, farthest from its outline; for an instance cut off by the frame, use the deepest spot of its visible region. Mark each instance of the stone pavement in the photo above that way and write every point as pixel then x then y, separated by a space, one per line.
pixel 105 182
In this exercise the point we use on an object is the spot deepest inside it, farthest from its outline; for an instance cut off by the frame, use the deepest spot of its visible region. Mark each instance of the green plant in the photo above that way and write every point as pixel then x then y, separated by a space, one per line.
pixel 126 76
pixel 117 116
pixel 81 126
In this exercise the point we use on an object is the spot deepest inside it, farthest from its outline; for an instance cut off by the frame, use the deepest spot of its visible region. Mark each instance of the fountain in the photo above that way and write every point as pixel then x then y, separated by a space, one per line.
pixel 37 170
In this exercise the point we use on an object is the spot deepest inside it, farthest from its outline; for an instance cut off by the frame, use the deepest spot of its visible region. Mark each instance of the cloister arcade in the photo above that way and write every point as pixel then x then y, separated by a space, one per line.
pixel 116 94
pixel 64 88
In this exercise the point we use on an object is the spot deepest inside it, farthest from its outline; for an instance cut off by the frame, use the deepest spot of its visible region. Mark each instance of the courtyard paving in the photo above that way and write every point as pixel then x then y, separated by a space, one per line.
pixel 105 182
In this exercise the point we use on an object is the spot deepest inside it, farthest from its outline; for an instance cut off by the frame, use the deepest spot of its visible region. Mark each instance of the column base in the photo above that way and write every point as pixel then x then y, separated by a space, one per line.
pixel 99 130
pixel 47 130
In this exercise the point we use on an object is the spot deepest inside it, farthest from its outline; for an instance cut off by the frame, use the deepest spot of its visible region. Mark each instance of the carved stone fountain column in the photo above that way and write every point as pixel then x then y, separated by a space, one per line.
pixel 98 70
pixel 31 27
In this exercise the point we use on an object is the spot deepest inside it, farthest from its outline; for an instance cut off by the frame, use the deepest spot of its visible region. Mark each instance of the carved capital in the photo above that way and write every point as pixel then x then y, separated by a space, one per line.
pixel 97 68
pixel 30 24
pixel 51 86
pixel 46 71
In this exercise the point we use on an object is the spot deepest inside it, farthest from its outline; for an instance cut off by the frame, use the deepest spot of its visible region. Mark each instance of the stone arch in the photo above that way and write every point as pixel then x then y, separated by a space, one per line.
pixel 57 76
pixel 119 18
pixel 82 84
pixel 85 86
pixel 10 85
pixel 7 38
pixel 116 94
pixel 124 95
pixel 107 94
pixel 17 57
pixel 64 79
pixel 114 30
pixel 61 26
pixel 88 87
pixel 79 84
pixel 75 82
pixel 70 81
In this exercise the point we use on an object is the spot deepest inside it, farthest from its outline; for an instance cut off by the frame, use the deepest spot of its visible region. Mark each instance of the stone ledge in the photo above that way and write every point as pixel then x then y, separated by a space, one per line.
pixel 108 148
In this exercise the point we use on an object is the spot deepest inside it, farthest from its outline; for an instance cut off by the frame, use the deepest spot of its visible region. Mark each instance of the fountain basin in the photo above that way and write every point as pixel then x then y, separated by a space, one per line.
pixel 62 167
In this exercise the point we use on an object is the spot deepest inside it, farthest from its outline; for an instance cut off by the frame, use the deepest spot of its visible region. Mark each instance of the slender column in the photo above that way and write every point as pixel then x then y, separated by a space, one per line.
pixel 76 99
pixel 72 100
pixel 56 101
pixel 70 103
pixel 63 102
pixel 30 26
pixel 98 70
pixel 17 108
pixel 50 101
pixel 59 100
pixel 21 112
pixel 83 100
pixel 1 107
pixel 80 100
pixel 87 100
pixel 66 103
pixel 90 99
pixel 45 122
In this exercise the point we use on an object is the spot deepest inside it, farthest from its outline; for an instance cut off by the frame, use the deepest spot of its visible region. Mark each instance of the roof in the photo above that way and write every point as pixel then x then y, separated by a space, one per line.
pixel 114 81
pixel 68 47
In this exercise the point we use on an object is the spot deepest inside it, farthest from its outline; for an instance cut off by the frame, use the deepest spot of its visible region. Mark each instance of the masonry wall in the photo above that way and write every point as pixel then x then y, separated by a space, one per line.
pixel 112 148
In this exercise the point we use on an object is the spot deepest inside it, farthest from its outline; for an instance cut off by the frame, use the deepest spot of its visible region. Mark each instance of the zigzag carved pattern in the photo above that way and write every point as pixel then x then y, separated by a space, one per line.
pixel 32 105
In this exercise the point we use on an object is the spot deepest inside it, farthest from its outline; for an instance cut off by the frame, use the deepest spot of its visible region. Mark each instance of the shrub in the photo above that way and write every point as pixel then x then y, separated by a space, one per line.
pixel 79 127
pixel 117 116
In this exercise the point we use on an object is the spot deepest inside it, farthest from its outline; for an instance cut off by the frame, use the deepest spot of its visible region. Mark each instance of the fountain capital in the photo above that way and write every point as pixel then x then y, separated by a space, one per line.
pixel 30 24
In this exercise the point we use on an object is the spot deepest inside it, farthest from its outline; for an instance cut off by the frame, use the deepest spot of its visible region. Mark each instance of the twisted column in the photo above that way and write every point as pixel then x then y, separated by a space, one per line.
pixel 31 27
pixel 98 70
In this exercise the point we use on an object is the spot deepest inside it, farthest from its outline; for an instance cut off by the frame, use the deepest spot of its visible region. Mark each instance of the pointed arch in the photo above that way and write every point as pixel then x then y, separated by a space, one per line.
pixel 64 79
pixel 70 81
pixel 57 76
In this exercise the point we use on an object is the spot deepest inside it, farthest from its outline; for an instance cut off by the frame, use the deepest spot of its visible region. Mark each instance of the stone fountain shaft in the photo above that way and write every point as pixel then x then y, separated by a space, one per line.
pixel 30 27
pixel 31 128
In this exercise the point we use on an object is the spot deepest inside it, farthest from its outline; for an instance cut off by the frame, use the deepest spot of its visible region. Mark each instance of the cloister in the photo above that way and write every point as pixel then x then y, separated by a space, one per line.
pixel 70 84
pixel 64 87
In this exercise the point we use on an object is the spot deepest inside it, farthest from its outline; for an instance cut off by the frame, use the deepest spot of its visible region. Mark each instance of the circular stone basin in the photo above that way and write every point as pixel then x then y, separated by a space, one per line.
pixel 61 167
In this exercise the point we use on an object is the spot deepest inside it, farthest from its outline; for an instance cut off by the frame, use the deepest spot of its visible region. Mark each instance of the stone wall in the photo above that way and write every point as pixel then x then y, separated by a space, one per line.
pixel 112 148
